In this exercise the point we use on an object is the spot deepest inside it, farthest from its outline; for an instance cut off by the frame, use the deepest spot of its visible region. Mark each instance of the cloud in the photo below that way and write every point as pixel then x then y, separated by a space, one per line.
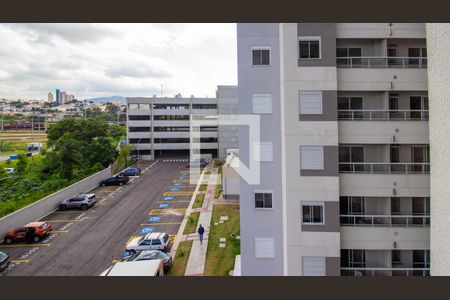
pixel 138 70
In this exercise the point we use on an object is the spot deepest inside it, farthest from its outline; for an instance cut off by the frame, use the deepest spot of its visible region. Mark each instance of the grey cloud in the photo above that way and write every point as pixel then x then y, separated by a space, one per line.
pixel 74 33
pixel 137 71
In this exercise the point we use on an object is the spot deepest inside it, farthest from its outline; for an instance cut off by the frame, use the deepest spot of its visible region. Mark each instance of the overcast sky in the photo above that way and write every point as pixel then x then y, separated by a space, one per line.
pixel 94 60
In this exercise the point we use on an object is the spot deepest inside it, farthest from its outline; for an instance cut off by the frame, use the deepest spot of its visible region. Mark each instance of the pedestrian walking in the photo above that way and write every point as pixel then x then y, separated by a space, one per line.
pixel 200 231
pixel 29 235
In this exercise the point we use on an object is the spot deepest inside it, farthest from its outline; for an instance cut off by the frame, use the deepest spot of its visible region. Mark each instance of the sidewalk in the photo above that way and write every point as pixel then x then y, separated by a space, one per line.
pixel 197 256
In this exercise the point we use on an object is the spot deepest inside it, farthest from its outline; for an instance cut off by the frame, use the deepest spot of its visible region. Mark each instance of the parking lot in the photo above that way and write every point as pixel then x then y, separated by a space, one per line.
pixel 88 242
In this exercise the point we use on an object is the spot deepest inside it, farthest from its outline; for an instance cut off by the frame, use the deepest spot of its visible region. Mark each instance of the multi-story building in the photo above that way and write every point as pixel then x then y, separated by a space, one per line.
pixel 161 126
pixel 50 97
pixel 58 97
pixel 344 150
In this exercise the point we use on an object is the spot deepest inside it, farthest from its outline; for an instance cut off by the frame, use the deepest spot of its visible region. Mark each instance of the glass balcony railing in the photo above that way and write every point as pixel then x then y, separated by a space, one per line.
pixel 385 220
pixel 384 168
pixel 381 62
pixel 385 271
pixel 382 115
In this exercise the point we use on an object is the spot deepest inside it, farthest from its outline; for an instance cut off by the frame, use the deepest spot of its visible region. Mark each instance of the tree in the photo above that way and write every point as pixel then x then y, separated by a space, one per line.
pixel 124 153
pixel 21 164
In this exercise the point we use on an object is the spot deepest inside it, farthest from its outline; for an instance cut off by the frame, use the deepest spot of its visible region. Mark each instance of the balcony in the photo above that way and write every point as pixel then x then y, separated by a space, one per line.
pixel 382 115
pixel 385 220
pixel 385 272
pixel 376 62
pixel 384 168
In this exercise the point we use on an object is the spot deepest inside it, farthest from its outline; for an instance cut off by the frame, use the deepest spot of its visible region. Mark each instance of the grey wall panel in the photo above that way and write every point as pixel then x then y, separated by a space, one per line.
pixel 327 32
pixel 331 219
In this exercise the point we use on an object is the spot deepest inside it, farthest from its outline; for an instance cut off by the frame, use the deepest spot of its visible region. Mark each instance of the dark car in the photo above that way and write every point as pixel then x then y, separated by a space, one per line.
pixel 116 180
pixel 150 255
pixel 131 172
pixel 5 260
pixel 197 164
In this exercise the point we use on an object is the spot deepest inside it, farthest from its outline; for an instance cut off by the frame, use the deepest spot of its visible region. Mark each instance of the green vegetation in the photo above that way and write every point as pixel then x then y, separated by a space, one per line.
pixel 191 225
pixel 220 261
pixel 199 201
pixel 218 191
pixel 79 148
pixel 181 258
pixel 202 187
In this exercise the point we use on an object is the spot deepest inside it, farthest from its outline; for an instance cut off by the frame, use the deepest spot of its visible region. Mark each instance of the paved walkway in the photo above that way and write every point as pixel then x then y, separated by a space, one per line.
pixel 197 256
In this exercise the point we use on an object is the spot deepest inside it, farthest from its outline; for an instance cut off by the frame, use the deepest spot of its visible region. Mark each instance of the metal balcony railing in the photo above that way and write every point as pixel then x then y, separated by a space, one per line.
pixel 381 62
pixel 385 220
pixel 384 168
pixel 385 271
pixel 382 115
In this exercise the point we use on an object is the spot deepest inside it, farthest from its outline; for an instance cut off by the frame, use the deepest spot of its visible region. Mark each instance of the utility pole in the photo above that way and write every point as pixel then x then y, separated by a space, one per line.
pixel 161 90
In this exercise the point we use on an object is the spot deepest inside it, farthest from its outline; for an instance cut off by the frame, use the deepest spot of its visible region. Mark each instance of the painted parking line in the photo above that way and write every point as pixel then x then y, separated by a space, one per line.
pixel 167 211
pixel 162 223
pixel 18 261
pixel 176 201
pixel 102 203
pixel 132 237
pixel 72 211
pixel 180 180
pixel 24 245
pixel 178 193
pixel 59 231
pixel 116 260
pixel 64 221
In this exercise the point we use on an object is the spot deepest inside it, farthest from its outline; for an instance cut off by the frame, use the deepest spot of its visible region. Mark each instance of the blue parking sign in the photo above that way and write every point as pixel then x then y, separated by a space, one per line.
pixel 174 189
pixel 163 205
pixel 168 198
pixel 154 219
pixel 146 230
pixel 178 184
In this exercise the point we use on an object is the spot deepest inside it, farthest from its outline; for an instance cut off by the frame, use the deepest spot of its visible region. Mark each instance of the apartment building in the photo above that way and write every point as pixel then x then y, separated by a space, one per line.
pixel 344 150
pixel 158 127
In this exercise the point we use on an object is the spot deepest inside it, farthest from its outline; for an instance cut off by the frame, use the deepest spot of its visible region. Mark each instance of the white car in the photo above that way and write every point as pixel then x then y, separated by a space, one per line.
pixel 10 171
pixel 152 241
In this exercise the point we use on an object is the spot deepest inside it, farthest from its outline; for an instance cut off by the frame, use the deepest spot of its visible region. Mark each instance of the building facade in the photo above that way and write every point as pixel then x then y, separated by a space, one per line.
pixel 58 97
pixel 50 97
pixel 344 153
pixel 158 127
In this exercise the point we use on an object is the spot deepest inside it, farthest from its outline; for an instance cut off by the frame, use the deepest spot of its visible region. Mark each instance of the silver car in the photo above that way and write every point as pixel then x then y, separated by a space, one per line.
pixel 83 202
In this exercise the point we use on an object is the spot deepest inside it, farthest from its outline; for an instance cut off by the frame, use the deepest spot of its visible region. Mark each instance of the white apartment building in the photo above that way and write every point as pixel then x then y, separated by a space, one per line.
pixel 345 184
pixel 159 127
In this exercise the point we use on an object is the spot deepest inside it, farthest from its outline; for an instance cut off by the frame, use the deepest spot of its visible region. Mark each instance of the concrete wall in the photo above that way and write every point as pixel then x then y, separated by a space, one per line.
pixel 43 207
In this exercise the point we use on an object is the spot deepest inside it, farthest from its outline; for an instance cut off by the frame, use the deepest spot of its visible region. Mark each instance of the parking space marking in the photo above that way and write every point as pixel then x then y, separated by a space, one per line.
pixel 64 221
pixel 18 261
pixel 72 211
pixel 24 245
pixel 132 237
pixel 175 201
pixel 167 211
pixel 162 223
pixel 59 231
pixel 178 193
pixel 180 180
pixel 116 260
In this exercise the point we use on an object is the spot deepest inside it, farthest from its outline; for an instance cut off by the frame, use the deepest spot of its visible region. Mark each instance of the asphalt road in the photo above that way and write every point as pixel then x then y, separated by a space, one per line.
pixel 87 243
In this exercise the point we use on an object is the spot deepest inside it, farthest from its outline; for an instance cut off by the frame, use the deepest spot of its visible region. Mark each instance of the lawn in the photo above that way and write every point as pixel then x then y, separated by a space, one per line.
pixel 218 191
pixel 220 261
pixel 181 258
pixel 199 201
pixel 202 187
pixel 191 224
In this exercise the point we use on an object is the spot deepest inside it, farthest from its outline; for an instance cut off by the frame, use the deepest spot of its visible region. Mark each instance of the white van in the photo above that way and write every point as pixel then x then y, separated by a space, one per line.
pixel 136 268
pixel 10 171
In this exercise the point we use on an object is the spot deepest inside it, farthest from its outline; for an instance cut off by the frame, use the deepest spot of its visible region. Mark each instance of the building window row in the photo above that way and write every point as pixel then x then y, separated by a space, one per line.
pixel 139 129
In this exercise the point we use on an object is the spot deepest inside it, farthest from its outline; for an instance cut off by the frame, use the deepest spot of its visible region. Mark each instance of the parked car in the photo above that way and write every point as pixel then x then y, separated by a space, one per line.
pixel 83 202
pixel 151 255
pixel 131 172
pixel 4 260
pixel 152 241
pixel 10 171
pixel 197 164
pixel 18 234
pixel 116 180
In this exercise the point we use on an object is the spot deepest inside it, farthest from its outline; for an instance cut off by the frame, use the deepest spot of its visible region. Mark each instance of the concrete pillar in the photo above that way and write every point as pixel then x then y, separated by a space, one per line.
pixel 438 45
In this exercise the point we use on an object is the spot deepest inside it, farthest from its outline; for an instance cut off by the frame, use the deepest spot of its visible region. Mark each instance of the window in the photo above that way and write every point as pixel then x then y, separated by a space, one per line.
pixel 312 213
pixel 311 158
pixel 353 258
pixel 349 157
pixel 350 103
pixel 264 248
pixel 156 242
pixel 139 118
pixel 262 103
pixel 396 257
pixel 263 151
pixel 204 106
pixel 348 52
pixel 309 47
pixel 313 266
pixel 139 129
pixel 138 106
pixel 352 205
pixel 396 206
pixel 261 56
pixel 310 102
pixel 139 141
pixel 263 199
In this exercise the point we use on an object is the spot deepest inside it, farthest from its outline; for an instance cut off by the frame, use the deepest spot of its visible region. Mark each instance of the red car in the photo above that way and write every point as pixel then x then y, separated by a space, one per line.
pixel 42 229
